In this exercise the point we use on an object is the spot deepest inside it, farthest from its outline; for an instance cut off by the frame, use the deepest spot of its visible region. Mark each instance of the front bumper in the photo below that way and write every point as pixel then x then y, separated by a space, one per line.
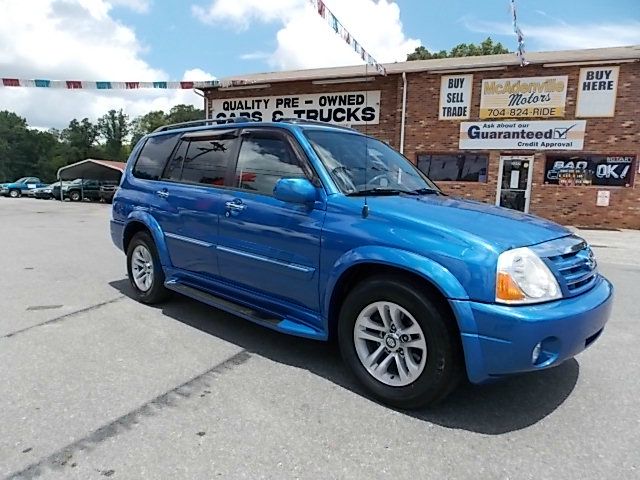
pixel 504 336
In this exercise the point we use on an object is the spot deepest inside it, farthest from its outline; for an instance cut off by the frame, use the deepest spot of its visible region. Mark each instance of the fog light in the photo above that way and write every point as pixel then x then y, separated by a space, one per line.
pixel 535 354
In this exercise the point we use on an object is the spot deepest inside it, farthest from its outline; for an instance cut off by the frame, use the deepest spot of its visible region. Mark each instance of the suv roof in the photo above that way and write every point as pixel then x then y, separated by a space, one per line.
pixel 247 122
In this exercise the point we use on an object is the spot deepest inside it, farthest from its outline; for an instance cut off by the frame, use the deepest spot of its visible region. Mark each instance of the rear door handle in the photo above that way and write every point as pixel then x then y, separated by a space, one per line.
pixel 235 205
pixel 162 193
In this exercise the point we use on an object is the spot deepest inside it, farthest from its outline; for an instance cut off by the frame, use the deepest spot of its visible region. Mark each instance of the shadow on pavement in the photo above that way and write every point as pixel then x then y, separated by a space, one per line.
pixel 505 406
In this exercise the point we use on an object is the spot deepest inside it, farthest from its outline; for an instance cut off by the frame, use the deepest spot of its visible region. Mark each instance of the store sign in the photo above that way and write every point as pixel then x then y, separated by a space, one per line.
pixel 534 135
pixel 523 97
pixel 597 90
pixel 350 108
pixel 455 97
pixel 612 171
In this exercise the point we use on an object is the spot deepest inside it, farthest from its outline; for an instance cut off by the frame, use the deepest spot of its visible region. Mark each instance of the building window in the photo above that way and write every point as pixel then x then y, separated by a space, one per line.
pixel 457 167
pixel 585 170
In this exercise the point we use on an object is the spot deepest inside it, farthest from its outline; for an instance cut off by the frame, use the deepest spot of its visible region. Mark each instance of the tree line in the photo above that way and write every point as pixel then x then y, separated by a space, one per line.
pixel 25 151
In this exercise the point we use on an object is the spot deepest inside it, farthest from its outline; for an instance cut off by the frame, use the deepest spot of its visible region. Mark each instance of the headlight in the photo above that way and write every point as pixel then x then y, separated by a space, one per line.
pixel 521 277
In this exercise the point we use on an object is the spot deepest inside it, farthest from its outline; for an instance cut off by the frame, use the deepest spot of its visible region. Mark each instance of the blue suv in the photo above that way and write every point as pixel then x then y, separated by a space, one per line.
pixel 322 232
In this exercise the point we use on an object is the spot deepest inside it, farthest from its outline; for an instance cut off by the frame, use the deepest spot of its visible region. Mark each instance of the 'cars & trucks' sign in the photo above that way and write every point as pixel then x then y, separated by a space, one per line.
pixel 523 135
pixel 523 97
pixel 347 108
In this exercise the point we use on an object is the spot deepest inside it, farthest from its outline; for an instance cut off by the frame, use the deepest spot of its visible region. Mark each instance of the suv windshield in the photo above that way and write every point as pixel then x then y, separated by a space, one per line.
pixel 360 164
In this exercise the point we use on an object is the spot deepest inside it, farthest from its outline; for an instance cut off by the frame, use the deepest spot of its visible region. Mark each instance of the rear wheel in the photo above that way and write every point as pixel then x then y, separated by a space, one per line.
pixel 399 343
pixel 75 196
pixel 14 193
pixel 144 269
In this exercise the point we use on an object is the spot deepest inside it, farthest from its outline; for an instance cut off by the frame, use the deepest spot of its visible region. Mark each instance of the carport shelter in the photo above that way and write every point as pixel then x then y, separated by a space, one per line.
pixel 92 169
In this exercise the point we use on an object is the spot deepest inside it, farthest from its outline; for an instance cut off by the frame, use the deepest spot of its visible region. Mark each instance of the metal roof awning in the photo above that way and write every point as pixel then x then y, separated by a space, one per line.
pixel 92 169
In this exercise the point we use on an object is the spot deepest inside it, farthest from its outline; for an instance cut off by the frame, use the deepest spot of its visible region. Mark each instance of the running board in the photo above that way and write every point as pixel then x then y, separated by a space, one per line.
pixel 222 303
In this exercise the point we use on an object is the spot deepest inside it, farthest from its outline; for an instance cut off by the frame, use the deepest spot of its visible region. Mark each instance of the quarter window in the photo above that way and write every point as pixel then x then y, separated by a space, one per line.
pixel 263 160
pixel 154 156
pixel 461 167
pixel 174 167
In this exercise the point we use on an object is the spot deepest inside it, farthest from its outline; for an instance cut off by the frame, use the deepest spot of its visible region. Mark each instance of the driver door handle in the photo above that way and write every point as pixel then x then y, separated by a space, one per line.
pixel 162 193
pixel 237 206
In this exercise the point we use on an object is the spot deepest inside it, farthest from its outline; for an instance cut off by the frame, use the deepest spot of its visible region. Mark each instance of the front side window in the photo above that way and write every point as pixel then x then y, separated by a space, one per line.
pixel 263 160
pixel 154 156
pixel 457 167
pixel 360 164
pixel 206 160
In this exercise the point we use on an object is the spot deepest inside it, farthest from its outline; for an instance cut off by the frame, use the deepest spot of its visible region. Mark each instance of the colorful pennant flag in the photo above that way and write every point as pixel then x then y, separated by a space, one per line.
pixel 84 85
pixel 333 22
pixel 519 34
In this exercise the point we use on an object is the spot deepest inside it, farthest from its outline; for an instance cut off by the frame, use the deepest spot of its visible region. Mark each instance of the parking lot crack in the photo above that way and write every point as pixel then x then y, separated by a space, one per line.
pixel 170 398
pixel 64 317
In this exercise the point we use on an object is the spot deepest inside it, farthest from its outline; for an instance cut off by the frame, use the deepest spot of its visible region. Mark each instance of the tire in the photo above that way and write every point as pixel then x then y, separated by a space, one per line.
pixel 155 291
pixel 75 196
pixel 430 373
pixel 14 193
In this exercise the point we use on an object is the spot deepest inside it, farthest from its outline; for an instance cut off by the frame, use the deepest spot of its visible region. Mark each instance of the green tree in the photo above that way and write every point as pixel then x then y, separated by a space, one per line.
pixel 487 47
pixel 184 113
pixel 145 124
pixel 81 139
pixel 114 129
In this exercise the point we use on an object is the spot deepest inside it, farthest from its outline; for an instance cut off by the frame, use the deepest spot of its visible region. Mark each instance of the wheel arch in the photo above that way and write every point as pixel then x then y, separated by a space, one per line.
pixel 356 266
pixel 143 221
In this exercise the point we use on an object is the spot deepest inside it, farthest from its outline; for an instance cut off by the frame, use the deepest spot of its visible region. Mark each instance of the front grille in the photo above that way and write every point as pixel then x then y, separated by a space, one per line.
pixel 576 269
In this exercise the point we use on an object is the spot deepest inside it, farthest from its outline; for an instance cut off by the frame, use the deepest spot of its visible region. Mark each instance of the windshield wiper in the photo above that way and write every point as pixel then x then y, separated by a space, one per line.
pixel 426 191
pixel 378 191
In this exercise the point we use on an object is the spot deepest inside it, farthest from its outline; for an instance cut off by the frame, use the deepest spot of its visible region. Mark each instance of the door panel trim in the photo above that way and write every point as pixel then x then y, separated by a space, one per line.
pixel 188 239
pixel 253 256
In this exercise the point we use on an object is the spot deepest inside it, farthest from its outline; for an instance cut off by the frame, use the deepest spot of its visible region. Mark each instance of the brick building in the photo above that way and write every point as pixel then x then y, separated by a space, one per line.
pixel 558 137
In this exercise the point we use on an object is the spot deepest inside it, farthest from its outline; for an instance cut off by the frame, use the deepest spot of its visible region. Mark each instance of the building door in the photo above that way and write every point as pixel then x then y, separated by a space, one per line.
pixel 514 185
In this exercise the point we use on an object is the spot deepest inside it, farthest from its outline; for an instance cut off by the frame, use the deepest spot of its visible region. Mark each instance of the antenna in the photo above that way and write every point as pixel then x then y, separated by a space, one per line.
pixel 365 208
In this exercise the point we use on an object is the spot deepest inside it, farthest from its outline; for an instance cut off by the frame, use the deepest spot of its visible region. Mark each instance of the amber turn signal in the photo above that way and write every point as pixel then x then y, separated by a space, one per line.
pixel 507 289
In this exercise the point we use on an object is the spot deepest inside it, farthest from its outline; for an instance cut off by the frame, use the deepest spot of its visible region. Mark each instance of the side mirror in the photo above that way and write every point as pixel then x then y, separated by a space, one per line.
pixel 295 190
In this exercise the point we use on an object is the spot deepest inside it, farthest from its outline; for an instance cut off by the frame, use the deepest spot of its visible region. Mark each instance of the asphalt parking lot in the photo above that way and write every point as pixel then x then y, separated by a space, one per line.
pixel 96 385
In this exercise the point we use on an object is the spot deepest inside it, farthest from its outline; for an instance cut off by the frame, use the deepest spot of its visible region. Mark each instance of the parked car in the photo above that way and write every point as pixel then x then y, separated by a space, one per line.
pixel 46 193
pixel 80 189
pixel 335 234
pixel 20 186
pixel 107 192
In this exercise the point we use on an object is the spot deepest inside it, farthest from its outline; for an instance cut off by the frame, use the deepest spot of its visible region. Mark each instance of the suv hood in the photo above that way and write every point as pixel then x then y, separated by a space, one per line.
pixel 500 227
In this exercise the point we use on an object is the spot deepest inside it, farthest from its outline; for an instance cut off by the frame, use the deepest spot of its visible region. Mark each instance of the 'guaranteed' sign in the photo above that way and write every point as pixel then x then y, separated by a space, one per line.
pixel 523 97
pixel 348 108
pixel 535 135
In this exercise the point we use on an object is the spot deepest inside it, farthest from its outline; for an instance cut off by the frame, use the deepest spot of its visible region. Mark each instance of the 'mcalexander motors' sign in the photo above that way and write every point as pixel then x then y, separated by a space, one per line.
pixel 534 135
pixel 349 108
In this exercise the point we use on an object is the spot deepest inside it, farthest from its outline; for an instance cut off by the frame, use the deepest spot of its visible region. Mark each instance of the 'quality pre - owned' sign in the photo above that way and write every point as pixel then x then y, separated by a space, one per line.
pixel 597 91
pixel 455 97
pixel 535 135
pixel 350 108
pixel 523 97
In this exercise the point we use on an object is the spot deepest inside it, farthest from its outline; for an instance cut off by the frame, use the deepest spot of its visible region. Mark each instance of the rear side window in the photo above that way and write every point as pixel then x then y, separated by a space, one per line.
pixel 154 156
pixel 206 161
pixel 263 160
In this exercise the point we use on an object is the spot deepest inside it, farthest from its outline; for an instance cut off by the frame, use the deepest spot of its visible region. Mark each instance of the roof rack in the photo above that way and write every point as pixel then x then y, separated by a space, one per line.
pixel 217 121
pixel 312 122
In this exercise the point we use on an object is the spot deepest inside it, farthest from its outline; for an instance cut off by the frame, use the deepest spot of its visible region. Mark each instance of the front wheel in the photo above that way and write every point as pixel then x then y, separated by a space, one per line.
pixel 399 342
pixel 14 193
pixel 75 196
pixel 144 269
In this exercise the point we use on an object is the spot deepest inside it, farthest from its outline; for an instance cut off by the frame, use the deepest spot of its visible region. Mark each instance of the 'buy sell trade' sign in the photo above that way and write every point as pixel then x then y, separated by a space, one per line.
pixel 348 108
pixel 455 97
pixel 523 97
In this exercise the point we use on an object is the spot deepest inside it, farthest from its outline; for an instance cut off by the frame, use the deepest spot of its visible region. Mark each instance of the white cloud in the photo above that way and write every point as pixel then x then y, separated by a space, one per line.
pixel 77 40
pixel 140 6
pixel 305 39
pixel 561 35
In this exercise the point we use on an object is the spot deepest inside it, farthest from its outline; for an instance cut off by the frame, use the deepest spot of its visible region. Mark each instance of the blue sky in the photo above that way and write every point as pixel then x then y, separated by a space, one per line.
pixel 176 41
pixel 148 40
